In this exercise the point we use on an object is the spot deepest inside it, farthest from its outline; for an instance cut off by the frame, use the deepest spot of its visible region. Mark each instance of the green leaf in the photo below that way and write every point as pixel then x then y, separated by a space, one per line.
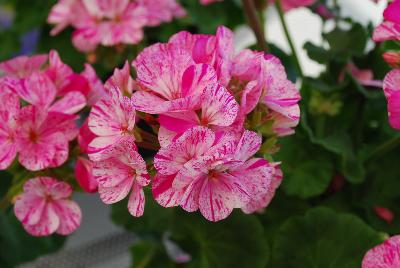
pixel 237 241
pixel 151 254
pixel 323 238
pixel 316 53
pixel 307 169
pixel 17 246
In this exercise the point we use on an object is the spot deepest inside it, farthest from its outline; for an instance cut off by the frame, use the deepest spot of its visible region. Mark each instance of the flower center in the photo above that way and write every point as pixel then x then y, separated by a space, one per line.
pixel 33 136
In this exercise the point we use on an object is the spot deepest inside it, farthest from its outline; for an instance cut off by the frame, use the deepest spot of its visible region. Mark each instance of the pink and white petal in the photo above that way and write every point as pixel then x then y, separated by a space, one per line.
pixel 219 107
pixel 394 109
pixel 58 71
pixel 61 123
pixel 39 185
pixel 60 190
pixel 29 207
pixel 386 31
pixel 70 216
pixel 224 54
pixel 121 79
pixel 164 193
pixel 8 152
pixel 248 145
pixel 48 223
pixel 391 83
pixel 36 156
pixel 111 195
pixel 385 255
pixel 179 122
pixel 112 115
pixel 136 201
pixel 37 89
pixel 23 66
pixel 71 103
pixel 96 91
pixel 160 68
pixel 100 147
pixel 190 197
pixel 165 136
pixel 247 65
pixel 193 143
pixel 86 39
pixel 111 172
pixel 250 97
pixel 84 175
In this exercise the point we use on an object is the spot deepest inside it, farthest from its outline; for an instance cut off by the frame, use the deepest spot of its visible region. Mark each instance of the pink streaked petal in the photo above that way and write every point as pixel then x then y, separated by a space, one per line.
pixel 71 103
pixel 29 208
pixel 164 193
pixel 85 137
pixel 111 172
pixel 386 31
pixel 165 136
pixel 61 151
pixel 113 115
pixel 86 39
pixel 219 107
pixel 70 216
pixel 8 152
pixel 36 157
pixel 136 201
pixel 160 68
pixel 224 54
pixel 100 147
pixel 248 145
pixel 62 123
pixel 121 79
pixel 391 83
pixel 111 195
pixel 37 89
pixel 250 97
pixel 247 65
pixel 48 223
pixel 162 11
pixel 58 71
pixel 23 66
pixel 190 197
pixel 385 255
pixel 60 190
pixel 193 143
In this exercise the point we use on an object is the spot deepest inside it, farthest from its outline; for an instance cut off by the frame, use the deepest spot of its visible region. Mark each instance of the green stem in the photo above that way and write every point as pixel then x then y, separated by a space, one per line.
pixel 288 37
pixel 254 23
pixel 384 148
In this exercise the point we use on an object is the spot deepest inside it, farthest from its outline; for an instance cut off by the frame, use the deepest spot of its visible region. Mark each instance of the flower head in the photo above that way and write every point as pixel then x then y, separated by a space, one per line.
pixel 44 207
pixel 385 255
pixel 390 28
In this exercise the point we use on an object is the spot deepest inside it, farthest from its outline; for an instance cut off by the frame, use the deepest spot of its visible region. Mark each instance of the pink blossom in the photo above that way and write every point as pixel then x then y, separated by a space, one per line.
pixel 391 88
pixel 385 255
pixel 42 137
pixel 9 111
pixel 390 28
pixel 392 58
pixel 214 174
pixel 364 76
pixel 122 79
pixel 384 213
pixel 84 175
pixel 111 119
pixel 123 170
pixel 110 22
pixel 44 207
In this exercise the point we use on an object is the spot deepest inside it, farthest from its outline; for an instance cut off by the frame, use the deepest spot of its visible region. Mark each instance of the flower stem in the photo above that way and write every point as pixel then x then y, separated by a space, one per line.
pixel 254 23
pixel 288 37
pixel 384 148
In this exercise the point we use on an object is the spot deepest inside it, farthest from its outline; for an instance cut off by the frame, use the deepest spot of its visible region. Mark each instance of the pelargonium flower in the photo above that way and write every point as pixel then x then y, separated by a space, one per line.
pixel 385 255
pixel 44 207
pixel 391 88
pixel 111 119
pixel 390 28
pixel 214 174
pixel 262 79
pixel 123 170
pixel 112 22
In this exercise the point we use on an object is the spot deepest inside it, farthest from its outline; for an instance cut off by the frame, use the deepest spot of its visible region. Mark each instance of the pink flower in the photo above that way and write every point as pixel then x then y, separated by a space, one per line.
pixel 364 77
pixel 84 175
pixel 385 255
pixel 384 213
pixel 111 119
pixel 9 111
pixel 42 137
pixel 214 174
pixel 263 80
pixel 122 79
pixel 390 28
pixel 159 11
pixel 391 88
pixel 392 58
pixel 121 172
pixel 44 208
pixel 288 5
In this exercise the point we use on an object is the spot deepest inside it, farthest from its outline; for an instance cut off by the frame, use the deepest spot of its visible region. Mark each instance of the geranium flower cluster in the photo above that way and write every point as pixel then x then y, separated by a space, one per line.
pixel 390 30
pixel 197 96
pixel 40 98
pixel 110 22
